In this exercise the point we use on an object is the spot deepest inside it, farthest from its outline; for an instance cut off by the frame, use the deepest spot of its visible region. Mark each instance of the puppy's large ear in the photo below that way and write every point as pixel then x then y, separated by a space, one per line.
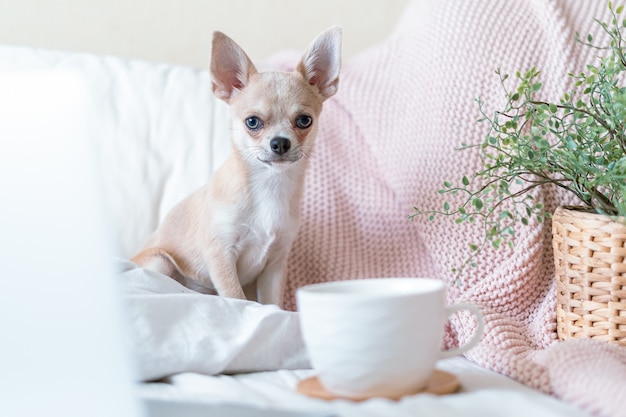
pixel 321 62
pixel 230 67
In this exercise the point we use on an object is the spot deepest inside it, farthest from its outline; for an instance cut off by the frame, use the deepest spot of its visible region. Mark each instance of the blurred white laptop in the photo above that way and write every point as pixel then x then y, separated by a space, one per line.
pixel 62 351
pixel 62 343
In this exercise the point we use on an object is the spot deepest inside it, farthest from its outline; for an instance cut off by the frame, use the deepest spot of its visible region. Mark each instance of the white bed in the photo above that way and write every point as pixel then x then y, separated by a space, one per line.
pixel 278 345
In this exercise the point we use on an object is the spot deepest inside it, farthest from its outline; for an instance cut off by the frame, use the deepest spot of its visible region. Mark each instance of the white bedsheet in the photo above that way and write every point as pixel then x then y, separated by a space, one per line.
pixel 200 345
pixel 174 329
pixel 482 394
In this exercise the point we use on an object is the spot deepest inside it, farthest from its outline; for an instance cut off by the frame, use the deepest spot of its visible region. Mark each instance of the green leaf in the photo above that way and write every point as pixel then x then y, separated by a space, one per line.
pixel 478 203
pixel 465 181
pixel 473 247
pixel 509 231
pixel 446 206
pixel 570 144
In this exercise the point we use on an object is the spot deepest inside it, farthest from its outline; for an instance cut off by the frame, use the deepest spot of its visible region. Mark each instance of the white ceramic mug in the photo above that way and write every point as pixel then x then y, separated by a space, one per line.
pixel 377 337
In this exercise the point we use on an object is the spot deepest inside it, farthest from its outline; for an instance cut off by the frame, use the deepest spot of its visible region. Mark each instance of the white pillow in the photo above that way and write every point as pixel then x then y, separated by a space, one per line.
pixel 157 130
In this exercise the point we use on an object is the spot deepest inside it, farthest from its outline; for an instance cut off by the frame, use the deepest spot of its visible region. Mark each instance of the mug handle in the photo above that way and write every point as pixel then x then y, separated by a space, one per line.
pixel 478 333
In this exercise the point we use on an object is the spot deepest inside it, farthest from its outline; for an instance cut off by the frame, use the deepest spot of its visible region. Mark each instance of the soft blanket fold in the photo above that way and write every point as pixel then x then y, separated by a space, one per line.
pixel 174 330
pixel 591 374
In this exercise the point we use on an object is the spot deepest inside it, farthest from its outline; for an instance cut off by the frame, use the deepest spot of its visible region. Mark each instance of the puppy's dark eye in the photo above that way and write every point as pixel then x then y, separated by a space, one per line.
pixel 303 121
pixel 254 123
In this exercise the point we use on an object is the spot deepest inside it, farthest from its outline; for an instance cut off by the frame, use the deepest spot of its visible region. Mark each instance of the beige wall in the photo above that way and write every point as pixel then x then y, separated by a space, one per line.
pixel 179 31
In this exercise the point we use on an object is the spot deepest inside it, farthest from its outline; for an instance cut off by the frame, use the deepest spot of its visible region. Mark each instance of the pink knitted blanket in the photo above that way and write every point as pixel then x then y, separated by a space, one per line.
pixel 387 144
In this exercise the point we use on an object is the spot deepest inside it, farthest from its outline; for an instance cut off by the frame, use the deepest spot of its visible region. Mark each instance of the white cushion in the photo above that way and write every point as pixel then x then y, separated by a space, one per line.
pixel 157 130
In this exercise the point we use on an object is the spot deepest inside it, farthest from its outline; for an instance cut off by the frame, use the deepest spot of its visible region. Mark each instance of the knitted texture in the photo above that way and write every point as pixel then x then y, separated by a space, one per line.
pixel 387 143
pixel 593 386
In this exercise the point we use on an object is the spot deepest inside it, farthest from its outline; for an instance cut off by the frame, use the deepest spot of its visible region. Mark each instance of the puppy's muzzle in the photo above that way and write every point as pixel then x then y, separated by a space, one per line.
pixel 280 145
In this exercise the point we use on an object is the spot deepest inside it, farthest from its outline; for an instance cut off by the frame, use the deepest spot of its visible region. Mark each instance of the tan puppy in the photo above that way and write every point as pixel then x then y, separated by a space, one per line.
pixel 237 230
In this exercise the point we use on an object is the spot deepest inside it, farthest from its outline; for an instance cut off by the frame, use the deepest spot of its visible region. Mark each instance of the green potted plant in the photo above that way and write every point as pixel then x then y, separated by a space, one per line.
pixel 578 144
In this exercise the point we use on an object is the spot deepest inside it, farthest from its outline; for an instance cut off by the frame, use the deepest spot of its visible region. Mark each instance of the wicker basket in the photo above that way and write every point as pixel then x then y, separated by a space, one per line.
pixel 590 261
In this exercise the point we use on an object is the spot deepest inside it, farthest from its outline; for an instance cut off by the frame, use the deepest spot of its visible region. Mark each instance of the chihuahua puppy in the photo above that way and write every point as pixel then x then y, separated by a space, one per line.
pixel 236 232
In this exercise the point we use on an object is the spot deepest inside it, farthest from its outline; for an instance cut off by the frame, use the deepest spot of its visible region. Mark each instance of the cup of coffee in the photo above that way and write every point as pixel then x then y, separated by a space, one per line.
pixel 377 337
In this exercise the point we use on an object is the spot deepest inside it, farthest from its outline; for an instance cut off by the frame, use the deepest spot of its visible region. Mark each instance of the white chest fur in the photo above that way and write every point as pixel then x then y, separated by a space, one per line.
pixel 264 223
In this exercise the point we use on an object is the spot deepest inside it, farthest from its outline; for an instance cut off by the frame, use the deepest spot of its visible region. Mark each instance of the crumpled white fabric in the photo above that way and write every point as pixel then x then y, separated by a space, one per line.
pixel 174 329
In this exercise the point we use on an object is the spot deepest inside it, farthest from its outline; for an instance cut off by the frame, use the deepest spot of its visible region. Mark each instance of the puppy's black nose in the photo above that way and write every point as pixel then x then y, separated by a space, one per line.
pixel 280 145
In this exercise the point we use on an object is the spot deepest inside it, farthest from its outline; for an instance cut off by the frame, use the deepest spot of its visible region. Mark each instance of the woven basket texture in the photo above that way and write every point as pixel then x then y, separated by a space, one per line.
pixel 590 261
